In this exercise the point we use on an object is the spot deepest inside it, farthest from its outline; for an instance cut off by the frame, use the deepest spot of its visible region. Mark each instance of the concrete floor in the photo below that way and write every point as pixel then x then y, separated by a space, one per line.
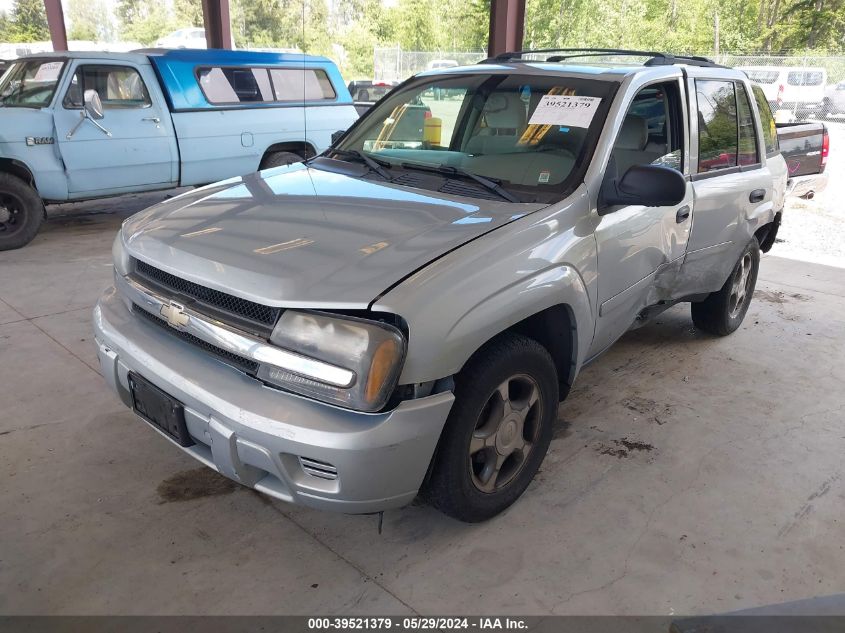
pixel 729 494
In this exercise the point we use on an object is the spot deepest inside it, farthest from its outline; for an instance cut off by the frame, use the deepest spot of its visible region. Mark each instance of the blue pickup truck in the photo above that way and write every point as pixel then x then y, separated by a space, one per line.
pixel 79 125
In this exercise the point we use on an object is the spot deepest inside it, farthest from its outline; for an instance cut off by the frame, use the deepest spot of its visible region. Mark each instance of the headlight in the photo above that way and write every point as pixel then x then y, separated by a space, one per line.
pixel 351 362
pixel 119 255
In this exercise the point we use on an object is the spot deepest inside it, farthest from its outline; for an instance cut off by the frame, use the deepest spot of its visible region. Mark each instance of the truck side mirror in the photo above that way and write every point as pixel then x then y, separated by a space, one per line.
pixel 93 105
pixel 337 135
pixel 648 185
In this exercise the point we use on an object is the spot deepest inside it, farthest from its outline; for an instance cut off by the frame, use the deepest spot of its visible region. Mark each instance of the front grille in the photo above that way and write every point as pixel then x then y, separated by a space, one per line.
pixel 239 362
pixel 241 308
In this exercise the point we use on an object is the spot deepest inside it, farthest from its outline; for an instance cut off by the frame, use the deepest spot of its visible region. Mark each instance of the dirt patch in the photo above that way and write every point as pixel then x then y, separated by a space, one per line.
pixel 779 297
pixel 194 484
pixel 650 409
pixel 623 448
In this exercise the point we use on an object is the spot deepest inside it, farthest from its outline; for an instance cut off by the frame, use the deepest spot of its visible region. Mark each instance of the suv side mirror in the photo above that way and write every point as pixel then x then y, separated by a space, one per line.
pixel 93 105
pixel 337 135
pixel 648 185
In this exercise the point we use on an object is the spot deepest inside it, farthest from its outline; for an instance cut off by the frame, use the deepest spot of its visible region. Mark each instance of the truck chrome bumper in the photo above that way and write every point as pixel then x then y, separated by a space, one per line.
pixel 806 185
pixel 289 447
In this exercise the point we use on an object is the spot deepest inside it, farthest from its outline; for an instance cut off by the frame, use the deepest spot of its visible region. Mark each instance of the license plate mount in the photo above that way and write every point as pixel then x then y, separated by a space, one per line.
pixel 159 409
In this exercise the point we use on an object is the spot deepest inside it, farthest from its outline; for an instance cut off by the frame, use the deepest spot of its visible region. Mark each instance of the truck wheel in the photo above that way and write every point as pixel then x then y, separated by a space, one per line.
pixel 827 108
pixel 277 159
pixel 498 431
pixel 21 212
pixel 723 311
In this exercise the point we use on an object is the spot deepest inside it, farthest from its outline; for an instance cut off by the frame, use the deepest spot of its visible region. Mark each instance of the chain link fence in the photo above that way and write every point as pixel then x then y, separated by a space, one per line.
pixel 797 87
pixel 394 64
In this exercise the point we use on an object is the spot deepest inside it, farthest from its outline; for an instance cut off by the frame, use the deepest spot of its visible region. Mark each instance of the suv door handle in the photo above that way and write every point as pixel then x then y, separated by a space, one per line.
pixel 683 214
pixel 153 119
pixel 757 195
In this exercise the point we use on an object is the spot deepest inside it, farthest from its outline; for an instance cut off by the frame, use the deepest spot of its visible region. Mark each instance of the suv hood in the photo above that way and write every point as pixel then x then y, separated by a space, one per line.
pixel 304 237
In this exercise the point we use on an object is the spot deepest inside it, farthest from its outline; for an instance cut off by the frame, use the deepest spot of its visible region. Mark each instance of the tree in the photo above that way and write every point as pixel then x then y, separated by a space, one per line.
pixel 89 20
pixel 188 12
pixel 143 21
pixel 28 22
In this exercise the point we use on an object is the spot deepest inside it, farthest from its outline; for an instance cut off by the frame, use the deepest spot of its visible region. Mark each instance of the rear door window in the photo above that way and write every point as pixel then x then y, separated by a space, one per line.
pixel 717 125
pixel 767 120
pixel 235 85
pixel 225 86
pixel 301 84
pixel 805 78
pixel 747 132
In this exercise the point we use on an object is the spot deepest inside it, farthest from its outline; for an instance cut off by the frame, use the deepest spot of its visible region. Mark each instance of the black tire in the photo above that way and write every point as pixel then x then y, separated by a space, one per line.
pixel 722 312
pixel 524 368
pixel 21 212
pixel 826 109
pixel 277 159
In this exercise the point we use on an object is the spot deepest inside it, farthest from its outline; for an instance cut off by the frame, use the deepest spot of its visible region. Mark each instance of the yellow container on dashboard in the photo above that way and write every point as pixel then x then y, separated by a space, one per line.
pixel 432 128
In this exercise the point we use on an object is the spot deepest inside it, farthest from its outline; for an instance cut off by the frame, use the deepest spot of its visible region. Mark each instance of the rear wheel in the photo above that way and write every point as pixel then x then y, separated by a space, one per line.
pixel 498 431
pixel 277 159
pixel 722 312
pixel 21 212
pixel 827 108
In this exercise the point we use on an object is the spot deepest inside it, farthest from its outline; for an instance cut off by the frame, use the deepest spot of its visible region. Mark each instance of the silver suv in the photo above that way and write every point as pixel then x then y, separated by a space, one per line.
pixel 402 314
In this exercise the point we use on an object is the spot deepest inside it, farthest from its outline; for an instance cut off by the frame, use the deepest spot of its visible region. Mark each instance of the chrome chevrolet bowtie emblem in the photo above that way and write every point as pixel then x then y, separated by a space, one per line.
pixel 174 314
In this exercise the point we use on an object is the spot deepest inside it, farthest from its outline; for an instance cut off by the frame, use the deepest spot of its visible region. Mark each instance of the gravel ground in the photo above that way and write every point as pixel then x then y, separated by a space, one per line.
pixel 814 230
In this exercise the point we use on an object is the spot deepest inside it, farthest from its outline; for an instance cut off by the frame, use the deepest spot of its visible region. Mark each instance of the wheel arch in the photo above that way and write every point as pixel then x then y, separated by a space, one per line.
pixel 303 148
pixel 19 169
pixel 767 233
pixel 554 328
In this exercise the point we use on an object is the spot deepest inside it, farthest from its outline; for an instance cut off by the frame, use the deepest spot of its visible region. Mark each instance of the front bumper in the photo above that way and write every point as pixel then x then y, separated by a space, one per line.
pixel 259 436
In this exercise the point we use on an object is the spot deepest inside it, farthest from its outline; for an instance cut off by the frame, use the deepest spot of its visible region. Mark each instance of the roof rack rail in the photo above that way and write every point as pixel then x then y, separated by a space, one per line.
pixel 655 58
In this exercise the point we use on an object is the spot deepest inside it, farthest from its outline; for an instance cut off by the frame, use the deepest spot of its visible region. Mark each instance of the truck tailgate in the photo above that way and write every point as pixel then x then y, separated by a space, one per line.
pixel 804 147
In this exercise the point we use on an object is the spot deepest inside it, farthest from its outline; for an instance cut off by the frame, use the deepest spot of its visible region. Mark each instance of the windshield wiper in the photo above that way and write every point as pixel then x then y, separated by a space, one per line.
pixel 367 160
pixel 448 170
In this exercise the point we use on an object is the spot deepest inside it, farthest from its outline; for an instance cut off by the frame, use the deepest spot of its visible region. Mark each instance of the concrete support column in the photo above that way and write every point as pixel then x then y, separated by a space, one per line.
pixel 56 22
pixel 507 25
pixel 218 29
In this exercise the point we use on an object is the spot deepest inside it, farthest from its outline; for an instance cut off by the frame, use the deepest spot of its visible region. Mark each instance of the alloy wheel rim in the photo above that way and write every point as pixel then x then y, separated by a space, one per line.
pixel 505 433
pixel 11 219
pixel 740 286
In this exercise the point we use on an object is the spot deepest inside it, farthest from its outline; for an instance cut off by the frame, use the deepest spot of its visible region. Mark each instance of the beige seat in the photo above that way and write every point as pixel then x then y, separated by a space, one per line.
pixel 632 146
pixel 505 118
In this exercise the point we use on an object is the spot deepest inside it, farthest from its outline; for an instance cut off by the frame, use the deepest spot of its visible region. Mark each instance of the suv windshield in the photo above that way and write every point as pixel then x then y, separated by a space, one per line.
pixel 530 134
pixel 31 83
pixel 762 76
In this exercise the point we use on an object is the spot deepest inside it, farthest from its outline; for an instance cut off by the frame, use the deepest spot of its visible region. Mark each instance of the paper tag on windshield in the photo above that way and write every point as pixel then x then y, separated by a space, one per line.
pixel 565 110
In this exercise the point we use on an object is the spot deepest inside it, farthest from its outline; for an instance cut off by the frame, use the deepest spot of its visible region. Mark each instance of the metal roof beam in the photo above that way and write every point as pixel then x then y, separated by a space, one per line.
pixel 56 22
pixel 507 25
pixel 218 29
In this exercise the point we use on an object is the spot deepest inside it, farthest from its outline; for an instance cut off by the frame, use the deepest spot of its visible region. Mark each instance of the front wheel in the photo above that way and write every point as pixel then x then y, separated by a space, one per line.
pixel 498 431
pixel 277 159
pixel 21 212
pixel 722 312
